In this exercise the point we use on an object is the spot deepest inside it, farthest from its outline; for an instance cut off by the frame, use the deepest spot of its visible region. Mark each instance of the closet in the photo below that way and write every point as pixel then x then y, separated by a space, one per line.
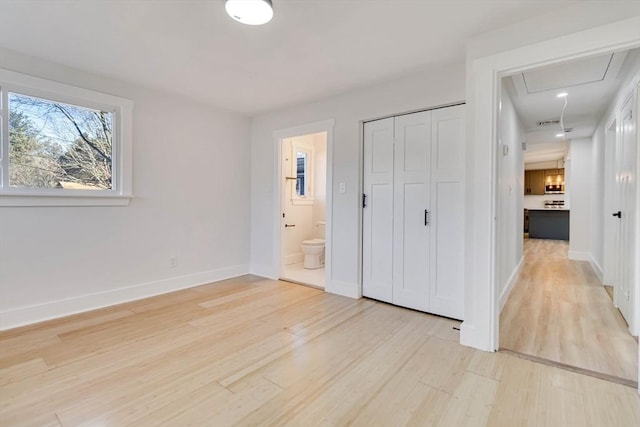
pixel 413 211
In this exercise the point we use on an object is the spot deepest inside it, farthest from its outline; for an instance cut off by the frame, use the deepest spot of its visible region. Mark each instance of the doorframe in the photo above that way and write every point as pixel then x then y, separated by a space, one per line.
pixel 481 326
pixel 278 231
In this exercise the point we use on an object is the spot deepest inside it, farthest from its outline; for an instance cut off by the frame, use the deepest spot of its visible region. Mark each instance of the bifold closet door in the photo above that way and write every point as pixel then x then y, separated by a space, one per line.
pixel 446 284
pixel 377 221
pixel 413 222
pixel 412 210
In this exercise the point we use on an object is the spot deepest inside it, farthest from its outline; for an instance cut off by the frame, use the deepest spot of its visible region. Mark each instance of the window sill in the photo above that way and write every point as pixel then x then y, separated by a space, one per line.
pixel 17 199
pixel 302 202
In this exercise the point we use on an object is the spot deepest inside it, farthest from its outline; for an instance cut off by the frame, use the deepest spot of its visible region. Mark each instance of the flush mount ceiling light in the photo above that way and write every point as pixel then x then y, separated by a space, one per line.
pixel 250 12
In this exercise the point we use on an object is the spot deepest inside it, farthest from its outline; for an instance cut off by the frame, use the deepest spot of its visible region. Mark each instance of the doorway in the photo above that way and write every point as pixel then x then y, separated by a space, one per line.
pixel 303 178
pixel 553 303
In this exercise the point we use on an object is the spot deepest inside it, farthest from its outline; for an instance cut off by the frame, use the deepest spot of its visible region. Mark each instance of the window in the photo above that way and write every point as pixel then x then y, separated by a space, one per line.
pixel 302 171
pixel 62 145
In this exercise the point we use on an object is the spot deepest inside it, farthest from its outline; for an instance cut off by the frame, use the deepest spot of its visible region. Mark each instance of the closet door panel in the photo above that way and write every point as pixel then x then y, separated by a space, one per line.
pixel 411 200
pixel 378 215
pixel 446 290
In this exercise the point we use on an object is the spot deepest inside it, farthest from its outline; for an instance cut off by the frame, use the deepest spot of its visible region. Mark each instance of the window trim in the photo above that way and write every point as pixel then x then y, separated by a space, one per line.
pixel 122 166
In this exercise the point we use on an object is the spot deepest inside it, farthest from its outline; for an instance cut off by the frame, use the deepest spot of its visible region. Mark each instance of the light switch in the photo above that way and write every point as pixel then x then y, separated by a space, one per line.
pixel 343 188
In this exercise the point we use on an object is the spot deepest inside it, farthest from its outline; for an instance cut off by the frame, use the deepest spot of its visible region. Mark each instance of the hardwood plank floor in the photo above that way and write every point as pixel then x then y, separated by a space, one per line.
pixel 255 352
pixel 559 310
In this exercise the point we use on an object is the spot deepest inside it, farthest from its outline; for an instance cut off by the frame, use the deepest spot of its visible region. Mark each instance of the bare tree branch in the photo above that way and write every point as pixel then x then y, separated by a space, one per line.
pixel 82 135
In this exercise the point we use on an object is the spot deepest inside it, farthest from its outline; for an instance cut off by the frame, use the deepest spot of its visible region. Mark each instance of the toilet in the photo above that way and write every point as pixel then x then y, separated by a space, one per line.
pixel 313 250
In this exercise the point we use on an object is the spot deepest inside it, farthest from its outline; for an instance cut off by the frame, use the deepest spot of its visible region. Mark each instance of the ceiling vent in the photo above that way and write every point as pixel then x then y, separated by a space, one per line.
pixel 548 122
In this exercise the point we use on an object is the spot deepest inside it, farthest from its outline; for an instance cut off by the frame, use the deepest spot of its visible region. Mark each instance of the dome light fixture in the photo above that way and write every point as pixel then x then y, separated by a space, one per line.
pixel 250 12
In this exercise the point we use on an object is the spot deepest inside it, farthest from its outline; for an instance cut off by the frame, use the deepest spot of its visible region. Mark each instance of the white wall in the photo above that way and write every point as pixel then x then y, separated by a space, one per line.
pixel 593 27
pixel 320 184
pixel 596 246
pixel 427 88
pixel 537 201
pixel 510 196
pixel 580 173
pixel 191 184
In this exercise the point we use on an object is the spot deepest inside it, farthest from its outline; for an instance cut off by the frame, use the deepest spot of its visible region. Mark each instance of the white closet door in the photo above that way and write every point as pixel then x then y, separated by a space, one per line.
pixel 447 193
pixel 411 210
pixel 377 236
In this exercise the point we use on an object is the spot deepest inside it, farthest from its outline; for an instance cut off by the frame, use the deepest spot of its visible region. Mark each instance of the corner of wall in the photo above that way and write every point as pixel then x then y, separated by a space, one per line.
pixel 346 289
pixel 27 315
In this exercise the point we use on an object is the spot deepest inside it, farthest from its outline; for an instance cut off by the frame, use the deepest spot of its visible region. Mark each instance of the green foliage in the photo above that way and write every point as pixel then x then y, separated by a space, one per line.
pixel 32 163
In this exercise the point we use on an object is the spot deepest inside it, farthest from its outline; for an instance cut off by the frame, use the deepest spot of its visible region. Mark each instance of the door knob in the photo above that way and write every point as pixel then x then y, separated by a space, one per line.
pixel 618 214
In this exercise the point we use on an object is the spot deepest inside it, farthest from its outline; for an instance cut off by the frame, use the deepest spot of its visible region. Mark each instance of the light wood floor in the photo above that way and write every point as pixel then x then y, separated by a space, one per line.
pixel 559 310
pixel 252 352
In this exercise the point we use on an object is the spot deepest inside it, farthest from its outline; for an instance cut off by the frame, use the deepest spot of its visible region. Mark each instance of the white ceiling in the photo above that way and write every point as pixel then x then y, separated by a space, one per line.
pixel 311 49
pixel 590 83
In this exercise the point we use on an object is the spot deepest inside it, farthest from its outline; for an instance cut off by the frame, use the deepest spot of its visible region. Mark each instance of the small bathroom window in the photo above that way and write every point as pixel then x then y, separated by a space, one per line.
pixel 302 170
pixel 301 173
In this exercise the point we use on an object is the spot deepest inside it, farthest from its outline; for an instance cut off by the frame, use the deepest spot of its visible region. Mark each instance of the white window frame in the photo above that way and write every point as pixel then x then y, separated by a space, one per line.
pixel 121 179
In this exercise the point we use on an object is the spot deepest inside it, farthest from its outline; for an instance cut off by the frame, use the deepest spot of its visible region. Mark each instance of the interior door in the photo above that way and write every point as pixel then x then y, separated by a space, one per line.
pixel 447 221
pixel 626 184
pixel 377 220
pixel 412 210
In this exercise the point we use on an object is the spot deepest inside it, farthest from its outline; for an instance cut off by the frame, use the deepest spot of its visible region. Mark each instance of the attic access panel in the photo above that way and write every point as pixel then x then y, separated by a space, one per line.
pixel 588 70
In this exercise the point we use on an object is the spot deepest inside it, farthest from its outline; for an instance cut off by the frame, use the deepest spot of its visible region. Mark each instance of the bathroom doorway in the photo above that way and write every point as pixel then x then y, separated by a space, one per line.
pixel 303 204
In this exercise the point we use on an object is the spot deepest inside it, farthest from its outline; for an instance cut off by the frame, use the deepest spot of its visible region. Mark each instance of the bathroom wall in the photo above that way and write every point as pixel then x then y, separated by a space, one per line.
pixel 320 180
pixel 298 212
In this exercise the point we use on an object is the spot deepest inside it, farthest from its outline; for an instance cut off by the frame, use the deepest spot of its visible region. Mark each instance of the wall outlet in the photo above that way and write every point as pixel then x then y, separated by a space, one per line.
pixel 173 262
pixel 343 188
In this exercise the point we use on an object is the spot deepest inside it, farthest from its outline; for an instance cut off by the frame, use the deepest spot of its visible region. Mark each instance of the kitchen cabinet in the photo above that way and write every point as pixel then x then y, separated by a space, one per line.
pixel 535 180
pixel 549 224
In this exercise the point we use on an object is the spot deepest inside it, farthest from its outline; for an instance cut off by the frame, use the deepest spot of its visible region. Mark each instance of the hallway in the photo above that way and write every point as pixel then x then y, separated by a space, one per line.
pixel 558 310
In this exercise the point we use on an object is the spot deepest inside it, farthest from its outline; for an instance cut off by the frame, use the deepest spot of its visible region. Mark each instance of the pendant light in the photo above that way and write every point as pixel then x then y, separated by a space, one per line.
pixel 250 12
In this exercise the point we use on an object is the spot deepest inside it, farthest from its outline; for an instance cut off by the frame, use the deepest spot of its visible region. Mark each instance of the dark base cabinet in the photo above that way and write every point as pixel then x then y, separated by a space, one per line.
pixel 549 224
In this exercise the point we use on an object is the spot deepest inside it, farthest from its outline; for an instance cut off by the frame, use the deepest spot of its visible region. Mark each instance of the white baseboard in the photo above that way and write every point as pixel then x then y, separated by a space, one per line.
pixel 596 268
pixel 579 256
pixel 27 315
pixel 294 258
pixel 510 283
pixel 351 290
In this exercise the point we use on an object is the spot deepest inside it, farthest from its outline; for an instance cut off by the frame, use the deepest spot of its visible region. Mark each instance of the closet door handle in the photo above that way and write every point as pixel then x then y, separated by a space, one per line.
pixel 289 225
pixel 426 217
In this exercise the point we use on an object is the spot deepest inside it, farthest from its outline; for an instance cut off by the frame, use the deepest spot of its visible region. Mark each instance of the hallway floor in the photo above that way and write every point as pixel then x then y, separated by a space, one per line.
pixel 558 310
